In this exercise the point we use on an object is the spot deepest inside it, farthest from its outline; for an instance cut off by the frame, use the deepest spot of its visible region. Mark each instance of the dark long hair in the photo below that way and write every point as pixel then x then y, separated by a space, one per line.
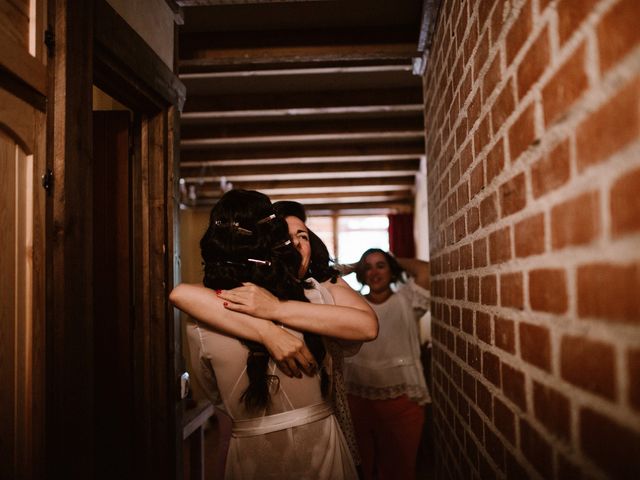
pixel 320 264
pixel 397 272
pixel 247 242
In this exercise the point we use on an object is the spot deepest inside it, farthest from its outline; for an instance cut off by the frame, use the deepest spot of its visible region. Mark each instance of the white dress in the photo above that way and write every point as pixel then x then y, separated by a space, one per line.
pixel 296 436
pixel 390 366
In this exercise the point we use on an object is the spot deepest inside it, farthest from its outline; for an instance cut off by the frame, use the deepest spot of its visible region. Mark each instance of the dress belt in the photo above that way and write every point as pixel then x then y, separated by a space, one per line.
pixel 281 421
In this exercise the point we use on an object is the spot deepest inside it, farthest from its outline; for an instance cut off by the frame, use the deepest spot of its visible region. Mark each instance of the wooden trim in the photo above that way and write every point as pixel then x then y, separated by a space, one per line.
pixel 119 48
pixel 16 61
pixel 69 398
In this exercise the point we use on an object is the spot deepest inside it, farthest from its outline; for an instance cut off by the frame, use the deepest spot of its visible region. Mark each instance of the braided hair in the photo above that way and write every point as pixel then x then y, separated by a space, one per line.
pixel 247 242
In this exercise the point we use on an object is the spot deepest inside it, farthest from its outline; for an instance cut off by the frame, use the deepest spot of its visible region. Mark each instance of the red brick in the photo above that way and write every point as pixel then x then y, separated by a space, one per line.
pixel 548 290
pixel 463 194
pixel 452 202
pixel 500 246
pixel 551 171
pixel 454 261
pixel 497 21
pixel 514 468
pixel 491 368
pixel 461 348
pixel 609 292
pixel 536 449
pixel 613 447
pixel 467 321
pixel 470 42
pixel 571 14
pixel 633 371
pixel 495 161
pixel 612 127
pixel 488 210
pixel 618 33
pixel 513 195
pixel 566 86
pixel 494 448
pixel 475 106
pixel 488 290
pixel 519 32
pixel 483 135
pixel 589 364
pixel 535 345
pixel 466 158
pixel 567 469
pixel 511 290
pixel 534 63
pixel 466 261
pixel 480 253
pixel 552 410
pixel 522 133
pixel 529 236
pixel 474 356
pixel 459 288
pixel 473 289
pixel 454 174
pixel 477 179
pixel 625 204
pixel 513 386
pixel 505 336
pixel 469 385
pixel 492 77
pixel 455 311
pixel 473 219
pixel 460 228
pixel 476 424
pixel 576 221
pixel 480 56
pixel 503 106
pixel 504 420
pixel 483 327
pixel 484 398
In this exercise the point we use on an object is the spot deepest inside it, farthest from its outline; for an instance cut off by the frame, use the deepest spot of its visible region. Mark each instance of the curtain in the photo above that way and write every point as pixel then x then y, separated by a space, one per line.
pixel 401 241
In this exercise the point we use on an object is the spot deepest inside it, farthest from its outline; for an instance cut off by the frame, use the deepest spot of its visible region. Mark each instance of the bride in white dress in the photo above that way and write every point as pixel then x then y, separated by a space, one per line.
pixel 283 427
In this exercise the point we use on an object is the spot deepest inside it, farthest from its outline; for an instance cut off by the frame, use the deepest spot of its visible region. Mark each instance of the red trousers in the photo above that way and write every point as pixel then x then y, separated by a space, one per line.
pixel 388 434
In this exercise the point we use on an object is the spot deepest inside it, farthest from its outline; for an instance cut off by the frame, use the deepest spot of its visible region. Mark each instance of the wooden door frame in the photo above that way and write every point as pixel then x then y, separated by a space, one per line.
pixel 93 44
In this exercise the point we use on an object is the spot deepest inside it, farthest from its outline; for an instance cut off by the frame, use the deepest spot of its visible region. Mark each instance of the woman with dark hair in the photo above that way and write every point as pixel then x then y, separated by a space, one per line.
pixel 248 245
pixel 385 379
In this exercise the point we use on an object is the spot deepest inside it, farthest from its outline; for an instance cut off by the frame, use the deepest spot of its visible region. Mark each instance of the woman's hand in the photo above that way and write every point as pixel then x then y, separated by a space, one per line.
pixel 288 351
pixel 252 300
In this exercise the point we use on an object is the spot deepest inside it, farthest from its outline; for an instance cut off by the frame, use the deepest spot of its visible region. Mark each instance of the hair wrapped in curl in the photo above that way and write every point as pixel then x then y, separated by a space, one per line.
pixel 246 242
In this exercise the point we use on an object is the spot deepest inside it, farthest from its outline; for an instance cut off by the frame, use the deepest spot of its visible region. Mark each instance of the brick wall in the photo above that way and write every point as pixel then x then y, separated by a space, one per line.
pixel 533 128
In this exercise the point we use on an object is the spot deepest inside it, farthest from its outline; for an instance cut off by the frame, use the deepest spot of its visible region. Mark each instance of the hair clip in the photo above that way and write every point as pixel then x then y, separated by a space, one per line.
pixel 239 229
pixel 283 244
pixel 235 225
pixel 261 262
pixel 266 219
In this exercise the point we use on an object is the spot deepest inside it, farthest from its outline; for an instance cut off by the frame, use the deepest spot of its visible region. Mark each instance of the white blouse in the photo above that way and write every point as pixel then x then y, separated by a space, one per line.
pixel 390 366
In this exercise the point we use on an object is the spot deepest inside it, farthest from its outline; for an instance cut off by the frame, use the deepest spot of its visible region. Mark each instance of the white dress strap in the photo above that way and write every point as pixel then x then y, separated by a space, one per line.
pixel 281 421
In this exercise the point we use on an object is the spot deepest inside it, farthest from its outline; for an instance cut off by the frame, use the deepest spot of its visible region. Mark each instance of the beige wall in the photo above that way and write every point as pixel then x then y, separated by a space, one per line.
pixel 154 22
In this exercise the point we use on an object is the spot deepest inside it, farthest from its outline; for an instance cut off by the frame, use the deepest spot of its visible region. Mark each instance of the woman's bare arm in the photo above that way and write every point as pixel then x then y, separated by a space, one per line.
pixel 350 318
pixel 203 304
pixel 418 269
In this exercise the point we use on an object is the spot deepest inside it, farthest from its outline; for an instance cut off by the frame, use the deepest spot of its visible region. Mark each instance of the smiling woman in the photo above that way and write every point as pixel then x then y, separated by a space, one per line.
pixel 385 380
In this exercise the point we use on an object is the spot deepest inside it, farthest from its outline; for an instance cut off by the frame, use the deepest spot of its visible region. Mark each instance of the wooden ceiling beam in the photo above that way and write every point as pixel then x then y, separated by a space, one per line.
pixel 189 118
pixel 314 184
pixel 259 177
pixel 185 166
pixel 323 99
pixel 310 169
pixel 281 154
pixel 309 137
pixel 257 69
pixel 302 128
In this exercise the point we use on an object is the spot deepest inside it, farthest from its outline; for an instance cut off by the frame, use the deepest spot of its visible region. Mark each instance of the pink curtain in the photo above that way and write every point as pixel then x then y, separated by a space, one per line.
pixel 401 241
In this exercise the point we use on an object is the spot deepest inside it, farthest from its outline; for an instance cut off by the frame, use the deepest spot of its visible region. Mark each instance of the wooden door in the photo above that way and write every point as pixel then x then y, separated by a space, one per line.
pixel 22 225
pixel 112 296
